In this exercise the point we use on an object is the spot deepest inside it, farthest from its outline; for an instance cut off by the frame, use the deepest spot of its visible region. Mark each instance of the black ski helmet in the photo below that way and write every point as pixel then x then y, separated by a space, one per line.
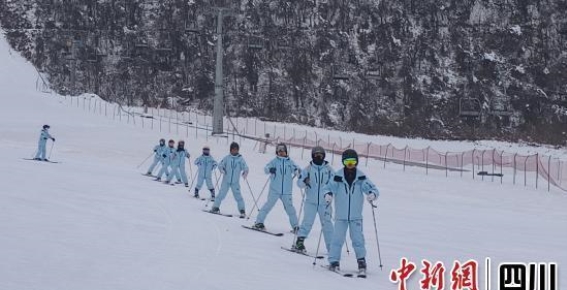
pixel 350 153
pixel 281 147
pixel 317 149
pixel 234 145
pixel 161 141
pixel 180 143
pixel 46 127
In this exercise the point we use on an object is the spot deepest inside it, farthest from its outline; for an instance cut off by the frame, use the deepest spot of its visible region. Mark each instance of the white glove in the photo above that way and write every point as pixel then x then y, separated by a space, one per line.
pixel 371 197
pixel 328 198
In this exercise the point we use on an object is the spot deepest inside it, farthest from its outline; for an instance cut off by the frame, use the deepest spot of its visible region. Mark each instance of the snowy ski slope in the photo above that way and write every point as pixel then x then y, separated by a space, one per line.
pixel 94 222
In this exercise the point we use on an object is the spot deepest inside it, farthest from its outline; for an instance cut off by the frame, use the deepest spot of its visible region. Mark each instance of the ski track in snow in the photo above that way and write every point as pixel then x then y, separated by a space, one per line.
pixel 93 222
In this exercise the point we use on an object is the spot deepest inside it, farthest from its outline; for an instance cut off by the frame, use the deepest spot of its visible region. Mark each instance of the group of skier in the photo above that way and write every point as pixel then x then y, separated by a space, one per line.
pixel 172 162
pixel 319 183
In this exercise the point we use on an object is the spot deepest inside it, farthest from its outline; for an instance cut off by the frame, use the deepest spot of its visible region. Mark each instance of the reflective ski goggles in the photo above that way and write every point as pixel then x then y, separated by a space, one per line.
pixel 350 162
pixel 281 149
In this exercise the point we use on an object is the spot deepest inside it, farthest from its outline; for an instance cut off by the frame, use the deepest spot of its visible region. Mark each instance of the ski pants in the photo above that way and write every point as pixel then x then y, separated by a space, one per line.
pixel 41 151
pixel 164 168
pixel 182 173
pixel 339 235
pixel 235 187
pixel 288 206
pixel 310 211
pixel 202 179
pixel 174 172
pixel 154 164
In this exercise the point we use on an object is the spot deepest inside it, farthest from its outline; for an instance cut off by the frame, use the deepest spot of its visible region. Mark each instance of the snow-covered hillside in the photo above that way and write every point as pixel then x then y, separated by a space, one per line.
pixel 94 222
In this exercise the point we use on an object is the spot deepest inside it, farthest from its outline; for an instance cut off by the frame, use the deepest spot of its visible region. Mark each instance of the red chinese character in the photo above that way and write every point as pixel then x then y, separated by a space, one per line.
pixel 402 274
pixel 464 276
pixel 432 277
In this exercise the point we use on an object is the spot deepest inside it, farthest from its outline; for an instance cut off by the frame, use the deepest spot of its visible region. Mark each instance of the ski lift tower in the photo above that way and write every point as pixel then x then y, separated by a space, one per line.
pixel 218 109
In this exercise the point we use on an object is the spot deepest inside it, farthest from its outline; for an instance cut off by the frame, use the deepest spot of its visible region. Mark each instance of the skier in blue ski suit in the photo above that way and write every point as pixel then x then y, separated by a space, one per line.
pixel 282 170
pixel 232 167
pixel 166 161
pixel 206 164
pixel 348 188
pixel 313 179
pixel 43 136
pixel 158 151
pixel 177 164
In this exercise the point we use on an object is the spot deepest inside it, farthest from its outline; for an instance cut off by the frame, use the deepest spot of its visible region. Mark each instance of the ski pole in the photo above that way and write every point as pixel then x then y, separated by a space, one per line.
pixel 145 160
pixel 299 216
pixel 327 212
pixel 376 232
pixel 318 245
pixel 191 168
pixel 51 150
pixel 251 193
pixel 216 186
pixel 255 204
pixel 193 181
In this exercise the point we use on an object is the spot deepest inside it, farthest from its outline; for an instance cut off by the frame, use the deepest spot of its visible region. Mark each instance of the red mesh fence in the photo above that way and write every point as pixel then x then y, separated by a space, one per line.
pixel 539 170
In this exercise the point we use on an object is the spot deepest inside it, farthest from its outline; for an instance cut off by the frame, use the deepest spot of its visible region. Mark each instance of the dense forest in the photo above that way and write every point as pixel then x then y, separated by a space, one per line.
pixel 442 69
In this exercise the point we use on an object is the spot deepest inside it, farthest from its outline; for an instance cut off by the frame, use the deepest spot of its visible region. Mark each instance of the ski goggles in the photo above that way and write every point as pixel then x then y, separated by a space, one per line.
pixel 318 154
pixel 350 162
pixel 206 150
pixel 281 149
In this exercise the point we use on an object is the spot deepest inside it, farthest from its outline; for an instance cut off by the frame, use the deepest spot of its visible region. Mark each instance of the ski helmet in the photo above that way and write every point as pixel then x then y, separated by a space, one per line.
pixel 349 154
pixel 234 145
pixel 161 141
pixel 46 127
pixel 180 143
pixel 317 149
pixel 281 147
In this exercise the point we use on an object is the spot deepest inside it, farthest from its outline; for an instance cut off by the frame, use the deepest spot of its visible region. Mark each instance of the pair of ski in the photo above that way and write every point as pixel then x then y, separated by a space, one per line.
pixel 40 160
pixel 303 253
pixel 358 274
pixel 201 198
pixel 223 214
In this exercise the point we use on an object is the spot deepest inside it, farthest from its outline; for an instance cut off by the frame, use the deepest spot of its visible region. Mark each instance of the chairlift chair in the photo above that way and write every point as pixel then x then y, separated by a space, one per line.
pixel 500 107
pixel 339 74
pixel 470 107
pixel 255 43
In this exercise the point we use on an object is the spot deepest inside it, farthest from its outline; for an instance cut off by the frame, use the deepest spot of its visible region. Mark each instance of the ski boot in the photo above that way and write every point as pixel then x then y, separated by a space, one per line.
pixel 158 179
pixel 259 226
pixel 334 266
pixel 186 184
pixel 149 173
pixel 214 210
pixel 361 267
pixel 212 194
pixel 242 214
pixel 196 193
pixel 299 244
